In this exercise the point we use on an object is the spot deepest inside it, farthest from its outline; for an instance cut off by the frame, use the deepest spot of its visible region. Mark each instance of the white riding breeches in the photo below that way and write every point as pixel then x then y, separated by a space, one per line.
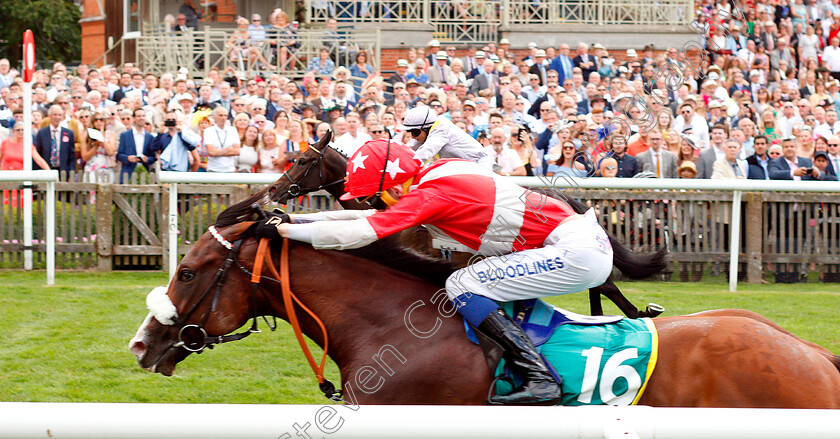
pixel 576 256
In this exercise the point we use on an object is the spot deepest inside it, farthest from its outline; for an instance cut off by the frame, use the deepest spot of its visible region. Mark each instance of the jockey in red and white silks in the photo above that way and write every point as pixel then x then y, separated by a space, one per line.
pixel 535 246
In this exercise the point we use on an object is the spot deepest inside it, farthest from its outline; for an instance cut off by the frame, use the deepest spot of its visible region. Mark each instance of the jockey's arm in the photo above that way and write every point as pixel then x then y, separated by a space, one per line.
pixel 330 215
pixel 364 230
pixel 435 141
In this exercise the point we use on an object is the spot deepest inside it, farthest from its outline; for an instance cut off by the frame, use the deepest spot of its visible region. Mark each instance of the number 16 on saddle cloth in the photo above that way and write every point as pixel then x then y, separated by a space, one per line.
pixel 600 364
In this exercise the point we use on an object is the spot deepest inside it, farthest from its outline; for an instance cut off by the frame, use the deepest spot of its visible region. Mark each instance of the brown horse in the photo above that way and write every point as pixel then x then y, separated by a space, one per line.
pixel 322 167
pixel 396 341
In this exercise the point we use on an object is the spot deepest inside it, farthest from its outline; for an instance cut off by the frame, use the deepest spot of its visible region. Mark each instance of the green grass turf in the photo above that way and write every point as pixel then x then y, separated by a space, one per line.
pixel 68 342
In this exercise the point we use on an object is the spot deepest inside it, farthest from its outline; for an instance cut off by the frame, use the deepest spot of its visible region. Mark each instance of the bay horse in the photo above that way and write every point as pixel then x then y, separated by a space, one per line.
pixel 322 167
pixel 395 339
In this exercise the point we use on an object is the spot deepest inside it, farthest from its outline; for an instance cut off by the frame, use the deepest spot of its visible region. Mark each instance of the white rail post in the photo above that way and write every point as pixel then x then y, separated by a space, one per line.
pixel 28 71
pixel 50 233
pixel 734 240
pixel 173 229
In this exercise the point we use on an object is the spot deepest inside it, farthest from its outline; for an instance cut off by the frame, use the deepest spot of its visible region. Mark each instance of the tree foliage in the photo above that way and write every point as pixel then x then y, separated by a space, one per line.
pixel 54 23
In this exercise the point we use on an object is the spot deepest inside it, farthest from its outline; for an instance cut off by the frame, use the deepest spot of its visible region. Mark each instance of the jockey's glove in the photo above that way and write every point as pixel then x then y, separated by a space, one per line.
pixel 268 227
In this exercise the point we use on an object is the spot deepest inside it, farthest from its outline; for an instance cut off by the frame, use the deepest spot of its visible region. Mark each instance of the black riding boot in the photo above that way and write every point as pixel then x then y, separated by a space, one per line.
pixel 540 387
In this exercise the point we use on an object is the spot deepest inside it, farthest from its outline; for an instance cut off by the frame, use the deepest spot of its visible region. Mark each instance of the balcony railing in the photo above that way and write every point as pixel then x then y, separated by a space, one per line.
pixel 160 50
pixel 480 20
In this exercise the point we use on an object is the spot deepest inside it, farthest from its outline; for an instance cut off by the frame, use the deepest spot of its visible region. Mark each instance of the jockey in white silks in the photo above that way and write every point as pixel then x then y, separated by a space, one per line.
pixel 436 135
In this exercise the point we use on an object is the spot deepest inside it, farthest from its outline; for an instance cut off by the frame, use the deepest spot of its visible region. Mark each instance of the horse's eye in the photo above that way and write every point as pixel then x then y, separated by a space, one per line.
pixel 301 161
pixel 186 276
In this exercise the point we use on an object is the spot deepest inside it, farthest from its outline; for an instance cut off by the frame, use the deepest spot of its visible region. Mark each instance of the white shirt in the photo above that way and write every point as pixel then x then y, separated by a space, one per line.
pixel 656 159
pixel 785 125
pixel 698 126
pixel 221 138
pixel 508 159
pixel 139 137
pixel 793 167
pixel 824 130
pixel 349 144
pixel 831 56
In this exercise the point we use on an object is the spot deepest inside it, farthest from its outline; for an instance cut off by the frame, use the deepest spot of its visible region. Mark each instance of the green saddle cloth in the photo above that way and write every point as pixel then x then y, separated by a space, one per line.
pixel 605 364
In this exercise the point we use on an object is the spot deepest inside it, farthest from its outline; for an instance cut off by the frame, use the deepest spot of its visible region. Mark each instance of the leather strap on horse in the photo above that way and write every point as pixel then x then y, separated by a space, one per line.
pixel 264 255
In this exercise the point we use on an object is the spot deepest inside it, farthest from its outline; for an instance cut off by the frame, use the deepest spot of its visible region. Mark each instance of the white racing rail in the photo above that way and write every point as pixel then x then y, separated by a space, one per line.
pixel 27 177
pixel 173 178
pixel 737 187
pixel 30 420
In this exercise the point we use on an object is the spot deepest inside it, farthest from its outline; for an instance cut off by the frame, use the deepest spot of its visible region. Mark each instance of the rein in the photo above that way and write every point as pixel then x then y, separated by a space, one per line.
pixel 263 257
pixel 194 338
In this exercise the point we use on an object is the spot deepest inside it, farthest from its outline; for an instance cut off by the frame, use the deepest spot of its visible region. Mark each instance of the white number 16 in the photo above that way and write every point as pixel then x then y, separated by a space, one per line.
pixel 613 370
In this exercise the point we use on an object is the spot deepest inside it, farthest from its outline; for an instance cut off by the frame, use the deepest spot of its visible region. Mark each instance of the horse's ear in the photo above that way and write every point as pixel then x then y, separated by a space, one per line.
pixel 324 140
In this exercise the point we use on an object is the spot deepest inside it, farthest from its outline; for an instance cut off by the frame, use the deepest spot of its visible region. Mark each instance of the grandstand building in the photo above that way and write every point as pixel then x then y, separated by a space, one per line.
pixel 129 30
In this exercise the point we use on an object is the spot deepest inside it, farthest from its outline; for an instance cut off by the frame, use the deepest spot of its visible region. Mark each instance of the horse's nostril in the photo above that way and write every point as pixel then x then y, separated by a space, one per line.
pixel 272 190
pixel 138 348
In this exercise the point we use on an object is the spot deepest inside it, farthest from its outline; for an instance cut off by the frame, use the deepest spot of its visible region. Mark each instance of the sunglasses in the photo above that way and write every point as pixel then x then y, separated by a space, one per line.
pixel 774 153
pixel 377 132
pixel 611 168
pixel 568 147
pixel 98 119
pixel 415 132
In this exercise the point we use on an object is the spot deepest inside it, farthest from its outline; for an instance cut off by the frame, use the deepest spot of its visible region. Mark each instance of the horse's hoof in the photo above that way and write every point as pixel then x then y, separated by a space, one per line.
pixel 653 310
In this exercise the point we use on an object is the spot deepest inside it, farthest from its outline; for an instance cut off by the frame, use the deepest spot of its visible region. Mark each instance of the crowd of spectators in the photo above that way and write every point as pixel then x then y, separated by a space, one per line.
pixel 763 105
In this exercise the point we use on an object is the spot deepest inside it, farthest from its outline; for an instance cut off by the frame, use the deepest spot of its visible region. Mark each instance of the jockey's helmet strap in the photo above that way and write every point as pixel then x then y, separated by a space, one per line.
pixel 384 167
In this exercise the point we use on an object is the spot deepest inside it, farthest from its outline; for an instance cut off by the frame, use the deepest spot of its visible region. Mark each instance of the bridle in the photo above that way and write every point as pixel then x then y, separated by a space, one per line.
pixel 295 190
pixel 194 338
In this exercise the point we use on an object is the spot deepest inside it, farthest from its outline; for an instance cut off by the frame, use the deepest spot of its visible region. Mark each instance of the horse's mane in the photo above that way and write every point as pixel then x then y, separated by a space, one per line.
pixel 243 210
pixel 388 251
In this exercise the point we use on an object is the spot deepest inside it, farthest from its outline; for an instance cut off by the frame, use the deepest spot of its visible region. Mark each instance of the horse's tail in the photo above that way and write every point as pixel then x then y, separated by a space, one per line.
pixel 835 360
pixel 637 265
pixel 632 265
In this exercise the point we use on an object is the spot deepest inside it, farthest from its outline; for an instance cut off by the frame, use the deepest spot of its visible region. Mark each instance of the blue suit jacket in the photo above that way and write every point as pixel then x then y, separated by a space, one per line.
pixel 755 171
pixel 557 64
pixel 66 150
pixel 779 170
pixel 127 148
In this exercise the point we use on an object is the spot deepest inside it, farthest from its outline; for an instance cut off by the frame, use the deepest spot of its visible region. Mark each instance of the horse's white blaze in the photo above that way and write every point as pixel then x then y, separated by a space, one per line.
pixel 161 306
